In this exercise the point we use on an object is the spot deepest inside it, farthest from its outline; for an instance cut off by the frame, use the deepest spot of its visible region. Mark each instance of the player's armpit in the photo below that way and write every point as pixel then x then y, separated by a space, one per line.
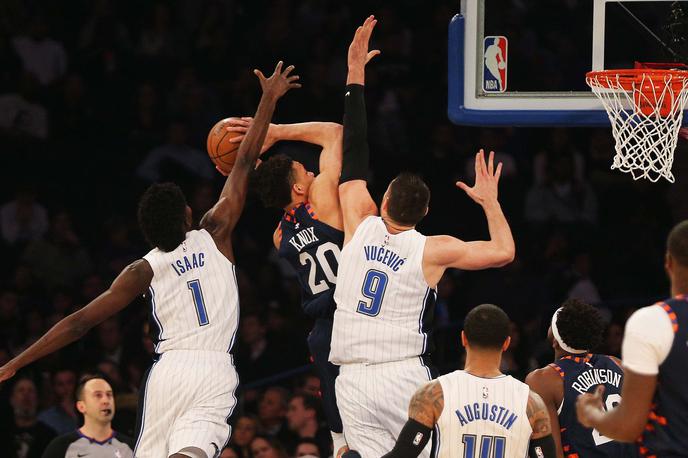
pixel 538 416
pixel 427 404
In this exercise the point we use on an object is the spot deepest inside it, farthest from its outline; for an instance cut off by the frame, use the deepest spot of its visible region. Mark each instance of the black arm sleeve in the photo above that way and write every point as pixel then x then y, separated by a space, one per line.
pixel 542 448
pixel 355 153
pixel 412 440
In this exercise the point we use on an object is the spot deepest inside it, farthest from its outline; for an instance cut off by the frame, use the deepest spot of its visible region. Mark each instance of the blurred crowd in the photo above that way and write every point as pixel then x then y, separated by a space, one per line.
pixel 98 99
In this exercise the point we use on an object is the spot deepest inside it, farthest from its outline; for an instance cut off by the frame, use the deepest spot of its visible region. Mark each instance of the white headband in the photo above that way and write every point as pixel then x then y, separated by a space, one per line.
pixel 558 338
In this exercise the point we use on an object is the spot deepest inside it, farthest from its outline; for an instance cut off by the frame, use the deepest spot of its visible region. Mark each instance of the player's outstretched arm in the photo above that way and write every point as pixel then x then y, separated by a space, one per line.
pixel 323 193
pixel 425 409
pixel 547 383
pixel 353 189
pixel 133 281
pixel 222 218
pixel 444 251
pixel 541 441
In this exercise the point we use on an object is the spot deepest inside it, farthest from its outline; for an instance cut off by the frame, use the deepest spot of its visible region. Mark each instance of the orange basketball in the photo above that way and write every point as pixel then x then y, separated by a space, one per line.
pixel 221 151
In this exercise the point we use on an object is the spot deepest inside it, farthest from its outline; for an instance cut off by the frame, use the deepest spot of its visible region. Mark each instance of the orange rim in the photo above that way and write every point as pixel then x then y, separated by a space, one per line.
pixel 628 79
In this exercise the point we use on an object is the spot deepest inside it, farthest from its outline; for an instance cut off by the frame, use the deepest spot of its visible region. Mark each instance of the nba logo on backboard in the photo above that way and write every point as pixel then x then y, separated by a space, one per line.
pixel 495 63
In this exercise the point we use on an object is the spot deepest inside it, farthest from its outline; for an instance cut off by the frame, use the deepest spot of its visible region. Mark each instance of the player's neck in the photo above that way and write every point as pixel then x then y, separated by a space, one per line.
pixel 97 431
pixel 295 203
pixel 483 363
pixel 395 228
pixel 679 285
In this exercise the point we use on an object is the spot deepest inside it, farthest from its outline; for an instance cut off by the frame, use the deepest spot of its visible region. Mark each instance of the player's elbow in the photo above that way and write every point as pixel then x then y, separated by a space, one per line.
pixel 504 257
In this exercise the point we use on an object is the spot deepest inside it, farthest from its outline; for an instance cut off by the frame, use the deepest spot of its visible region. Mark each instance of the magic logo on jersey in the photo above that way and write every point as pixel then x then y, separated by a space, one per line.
pixel 495 63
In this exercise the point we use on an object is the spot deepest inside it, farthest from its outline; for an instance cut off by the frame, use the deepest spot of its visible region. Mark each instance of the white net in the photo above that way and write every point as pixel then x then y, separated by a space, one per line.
pixel 646 112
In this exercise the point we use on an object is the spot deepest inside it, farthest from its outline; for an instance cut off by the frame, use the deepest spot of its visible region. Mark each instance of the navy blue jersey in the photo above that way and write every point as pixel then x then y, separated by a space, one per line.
pixel 582 374
pixel 312 248
pixel 666 433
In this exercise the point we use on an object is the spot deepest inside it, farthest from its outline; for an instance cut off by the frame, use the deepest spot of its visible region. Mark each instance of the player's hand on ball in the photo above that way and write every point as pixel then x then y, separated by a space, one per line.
pixel 280 81
pixel 486 179
pixel 589 406
pixel 270 137
pixel 359 55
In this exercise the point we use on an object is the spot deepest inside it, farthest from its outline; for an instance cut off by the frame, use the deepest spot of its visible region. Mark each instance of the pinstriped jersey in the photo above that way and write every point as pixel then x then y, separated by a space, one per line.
pixel 384 305
pixel 581 374
pixel 194 296
pixel 482 417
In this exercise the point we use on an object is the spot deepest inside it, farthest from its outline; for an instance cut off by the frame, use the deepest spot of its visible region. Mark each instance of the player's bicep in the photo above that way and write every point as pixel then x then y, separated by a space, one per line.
pixel 538 415
pixel 449 251
pixel 539 382
pixel 324 196
pixel 427 404
pixel 356 204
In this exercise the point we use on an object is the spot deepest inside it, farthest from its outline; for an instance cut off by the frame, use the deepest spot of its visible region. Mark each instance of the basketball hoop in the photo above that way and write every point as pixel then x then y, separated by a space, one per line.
pixel 645 107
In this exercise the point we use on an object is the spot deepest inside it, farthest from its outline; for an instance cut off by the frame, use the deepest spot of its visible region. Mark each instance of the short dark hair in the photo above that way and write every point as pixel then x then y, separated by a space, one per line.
pixel 162 214
pixel 486 326
pixel 677 243
pixel 408 199
pixel 310 402
pixel 272 181
pixel 580 325
pixel 83 380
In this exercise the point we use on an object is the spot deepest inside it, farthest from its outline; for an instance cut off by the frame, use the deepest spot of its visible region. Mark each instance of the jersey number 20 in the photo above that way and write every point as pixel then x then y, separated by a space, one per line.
pixel 306 258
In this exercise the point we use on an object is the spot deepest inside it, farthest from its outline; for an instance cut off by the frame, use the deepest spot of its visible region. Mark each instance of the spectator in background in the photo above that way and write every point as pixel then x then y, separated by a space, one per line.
pixel 21 114
pixel 62 416
pixel 25 436
pixel 307 448
pixel 256 357
pixel 41 56
pixel 562 198
pixel 96 438
pixel 228 452
pixel 266 447
pixel 175 158
pixel 303 417
pixel 48 258
pixel 272 412
pixel 309 384
pixel 244 431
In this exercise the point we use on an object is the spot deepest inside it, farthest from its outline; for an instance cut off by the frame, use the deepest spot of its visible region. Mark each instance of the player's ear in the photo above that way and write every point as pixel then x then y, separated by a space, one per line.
pixel 668 263
pixel 427 209
pixel 506 344
pixel 189 216
pixel 464 341
pixel 297 188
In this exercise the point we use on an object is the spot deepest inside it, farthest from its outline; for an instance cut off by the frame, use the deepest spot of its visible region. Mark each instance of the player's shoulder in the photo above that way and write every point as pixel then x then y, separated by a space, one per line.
pixel 647 319
pixel 546 381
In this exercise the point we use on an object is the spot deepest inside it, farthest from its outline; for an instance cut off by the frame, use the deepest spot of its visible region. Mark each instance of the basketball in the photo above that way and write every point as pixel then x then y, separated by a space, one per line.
pixel 221 151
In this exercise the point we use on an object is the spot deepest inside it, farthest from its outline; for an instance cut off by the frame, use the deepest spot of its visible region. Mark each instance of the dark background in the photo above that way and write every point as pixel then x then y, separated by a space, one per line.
pixel 100 98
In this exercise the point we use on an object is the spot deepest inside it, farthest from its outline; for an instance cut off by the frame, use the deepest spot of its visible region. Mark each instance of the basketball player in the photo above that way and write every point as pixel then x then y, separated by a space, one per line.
pixel 576 329
pixel 189 278
pixel 655 358
pixel 478 408
pixel 310 237
pixel 387 277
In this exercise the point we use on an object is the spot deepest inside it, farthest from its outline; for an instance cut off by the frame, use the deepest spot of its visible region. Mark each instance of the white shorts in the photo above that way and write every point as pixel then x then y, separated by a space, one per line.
pixel 188 397
pixel 373 401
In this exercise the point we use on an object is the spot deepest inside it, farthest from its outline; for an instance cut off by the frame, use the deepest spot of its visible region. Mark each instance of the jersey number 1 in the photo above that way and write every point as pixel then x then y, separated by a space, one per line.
pixel 490 446
pixel 199 302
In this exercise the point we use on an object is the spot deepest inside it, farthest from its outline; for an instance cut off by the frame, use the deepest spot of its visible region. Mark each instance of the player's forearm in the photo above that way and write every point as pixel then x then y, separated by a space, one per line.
pixel 617 424
pixel 251 145
pixel 317 133
pixel 500 232
pixel 356 154
pixel 62 334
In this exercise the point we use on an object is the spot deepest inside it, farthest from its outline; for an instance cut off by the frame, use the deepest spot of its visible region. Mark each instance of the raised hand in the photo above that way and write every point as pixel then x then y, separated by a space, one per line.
pixel 486 180
pixel 279 83
pixel 359 55
pixel 589 407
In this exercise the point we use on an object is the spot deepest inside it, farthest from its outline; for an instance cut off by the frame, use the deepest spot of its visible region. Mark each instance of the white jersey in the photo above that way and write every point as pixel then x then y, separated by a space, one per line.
pixel 194 296
pixel 483 414
pixel 384 304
